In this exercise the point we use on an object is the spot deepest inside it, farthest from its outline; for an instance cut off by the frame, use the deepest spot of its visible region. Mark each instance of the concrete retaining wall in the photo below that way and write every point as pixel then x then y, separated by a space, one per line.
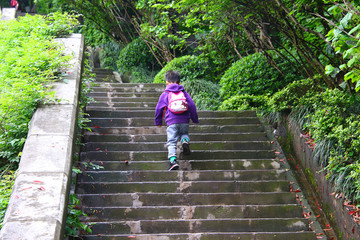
pixel 38 203
pixel 7 14
pixel 336 211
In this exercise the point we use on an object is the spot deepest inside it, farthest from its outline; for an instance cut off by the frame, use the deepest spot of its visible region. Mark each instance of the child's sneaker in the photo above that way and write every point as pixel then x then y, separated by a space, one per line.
pixel 186 146
pixel 173 165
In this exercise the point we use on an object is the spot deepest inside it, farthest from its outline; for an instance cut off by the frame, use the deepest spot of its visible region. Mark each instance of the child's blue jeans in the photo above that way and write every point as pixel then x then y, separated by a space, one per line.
pixel 174 133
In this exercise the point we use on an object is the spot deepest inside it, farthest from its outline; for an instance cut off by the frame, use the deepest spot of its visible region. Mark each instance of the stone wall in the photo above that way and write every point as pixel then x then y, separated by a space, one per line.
pixel 336 211
pixel 38 203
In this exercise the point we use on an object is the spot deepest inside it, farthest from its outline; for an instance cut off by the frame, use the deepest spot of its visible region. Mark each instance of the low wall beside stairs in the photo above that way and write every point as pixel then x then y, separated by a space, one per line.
pixel 38 203
pixel 334 207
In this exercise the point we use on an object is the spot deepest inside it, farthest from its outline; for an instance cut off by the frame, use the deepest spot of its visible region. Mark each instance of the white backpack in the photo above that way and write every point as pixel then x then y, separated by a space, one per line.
pixel 177 102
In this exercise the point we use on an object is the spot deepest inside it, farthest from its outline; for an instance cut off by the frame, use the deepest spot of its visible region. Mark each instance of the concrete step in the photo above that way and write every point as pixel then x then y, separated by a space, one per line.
pixel 97 214
pixel 110 95
pixel 201 225
pixel 132 98
pixel 258 164
pixel 150 113
pixel 139 122
pixel 138 199
pixel 257 136
pixel 211 236
pixel 128 89
pixel 249 128
pixel 199 175
pixel 161 146
pixel 102 155
pixel 184 187
pixel 138 87
pixel 100 105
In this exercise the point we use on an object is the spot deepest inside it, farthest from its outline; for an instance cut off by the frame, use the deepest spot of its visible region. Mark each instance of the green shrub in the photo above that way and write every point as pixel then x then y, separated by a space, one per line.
pixel 244 102
pixel 109 55
pixel 189 67
pixel 204 93
pixel 290 96
pixel 253 75
pixel 137 61
pixel 30 61
pixel 332 119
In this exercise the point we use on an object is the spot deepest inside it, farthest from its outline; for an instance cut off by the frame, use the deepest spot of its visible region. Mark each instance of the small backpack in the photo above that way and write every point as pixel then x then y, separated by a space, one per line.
pixel 177 102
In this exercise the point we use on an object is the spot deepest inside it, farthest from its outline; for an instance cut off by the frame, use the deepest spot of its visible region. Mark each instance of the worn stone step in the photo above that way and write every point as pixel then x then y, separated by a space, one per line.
pixel 184 186
pixel 258 164
pixel 151 113
pixel 192 129
pixel 89 108
pixel 102 78
pixel 142 121
pixel 137 199
pixel 201 225
pixel 303 235
pixel 110 98
pixel 214 175
pixel 96 214
pixel 195 145
pixel 100 105
pixel 135 88
pixel 101 155
pixel 139 95
pixel 257 136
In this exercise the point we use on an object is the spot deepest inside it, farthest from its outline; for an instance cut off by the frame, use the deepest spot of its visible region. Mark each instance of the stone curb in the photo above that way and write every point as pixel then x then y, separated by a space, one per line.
pixel 38 203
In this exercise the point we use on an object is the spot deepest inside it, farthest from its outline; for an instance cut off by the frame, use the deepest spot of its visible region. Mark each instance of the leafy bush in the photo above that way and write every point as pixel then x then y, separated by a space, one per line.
pixel 137 60
pixel 109 55
pixel 189 67
pixel 204 93
pixel 245 102
pixel 291 95
pixel 332 119
pixel 254 76
pixel 195 77
pixel 30 60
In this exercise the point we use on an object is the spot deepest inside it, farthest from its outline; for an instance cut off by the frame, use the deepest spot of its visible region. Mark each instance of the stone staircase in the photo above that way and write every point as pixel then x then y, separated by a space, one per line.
pixel 230 187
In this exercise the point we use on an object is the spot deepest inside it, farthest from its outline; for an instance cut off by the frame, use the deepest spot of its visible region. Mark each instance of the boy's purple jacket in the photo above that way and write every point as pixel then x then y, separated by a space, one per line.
pixel 172 118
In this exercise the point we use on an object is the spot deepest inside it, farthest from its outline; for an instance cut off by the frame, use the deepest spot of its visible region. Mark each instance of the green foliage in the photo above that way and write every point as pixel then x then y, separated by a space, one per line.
pixel 7 179
pixel 344 37
pixel 73 224
pixel 30 62
pixel 189 67
pixel 291 95
pixel 253 75
pixel 245 102
pixel 331 118
pixel 109 55
pixel 205 94
pixel 5 4
pixel 196 78
pixel 136 59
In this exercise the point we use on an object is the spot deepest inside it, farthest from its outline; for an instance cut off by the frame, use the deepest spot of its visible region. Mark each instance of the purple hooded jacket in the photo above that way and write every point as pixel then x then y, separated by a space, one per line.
pixel 172 118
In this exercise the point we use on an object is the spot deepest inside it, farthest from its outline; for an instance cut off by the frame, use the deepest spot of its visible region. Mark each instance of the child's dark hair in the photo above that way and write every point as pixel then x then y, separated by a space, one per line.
pixel 172 77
